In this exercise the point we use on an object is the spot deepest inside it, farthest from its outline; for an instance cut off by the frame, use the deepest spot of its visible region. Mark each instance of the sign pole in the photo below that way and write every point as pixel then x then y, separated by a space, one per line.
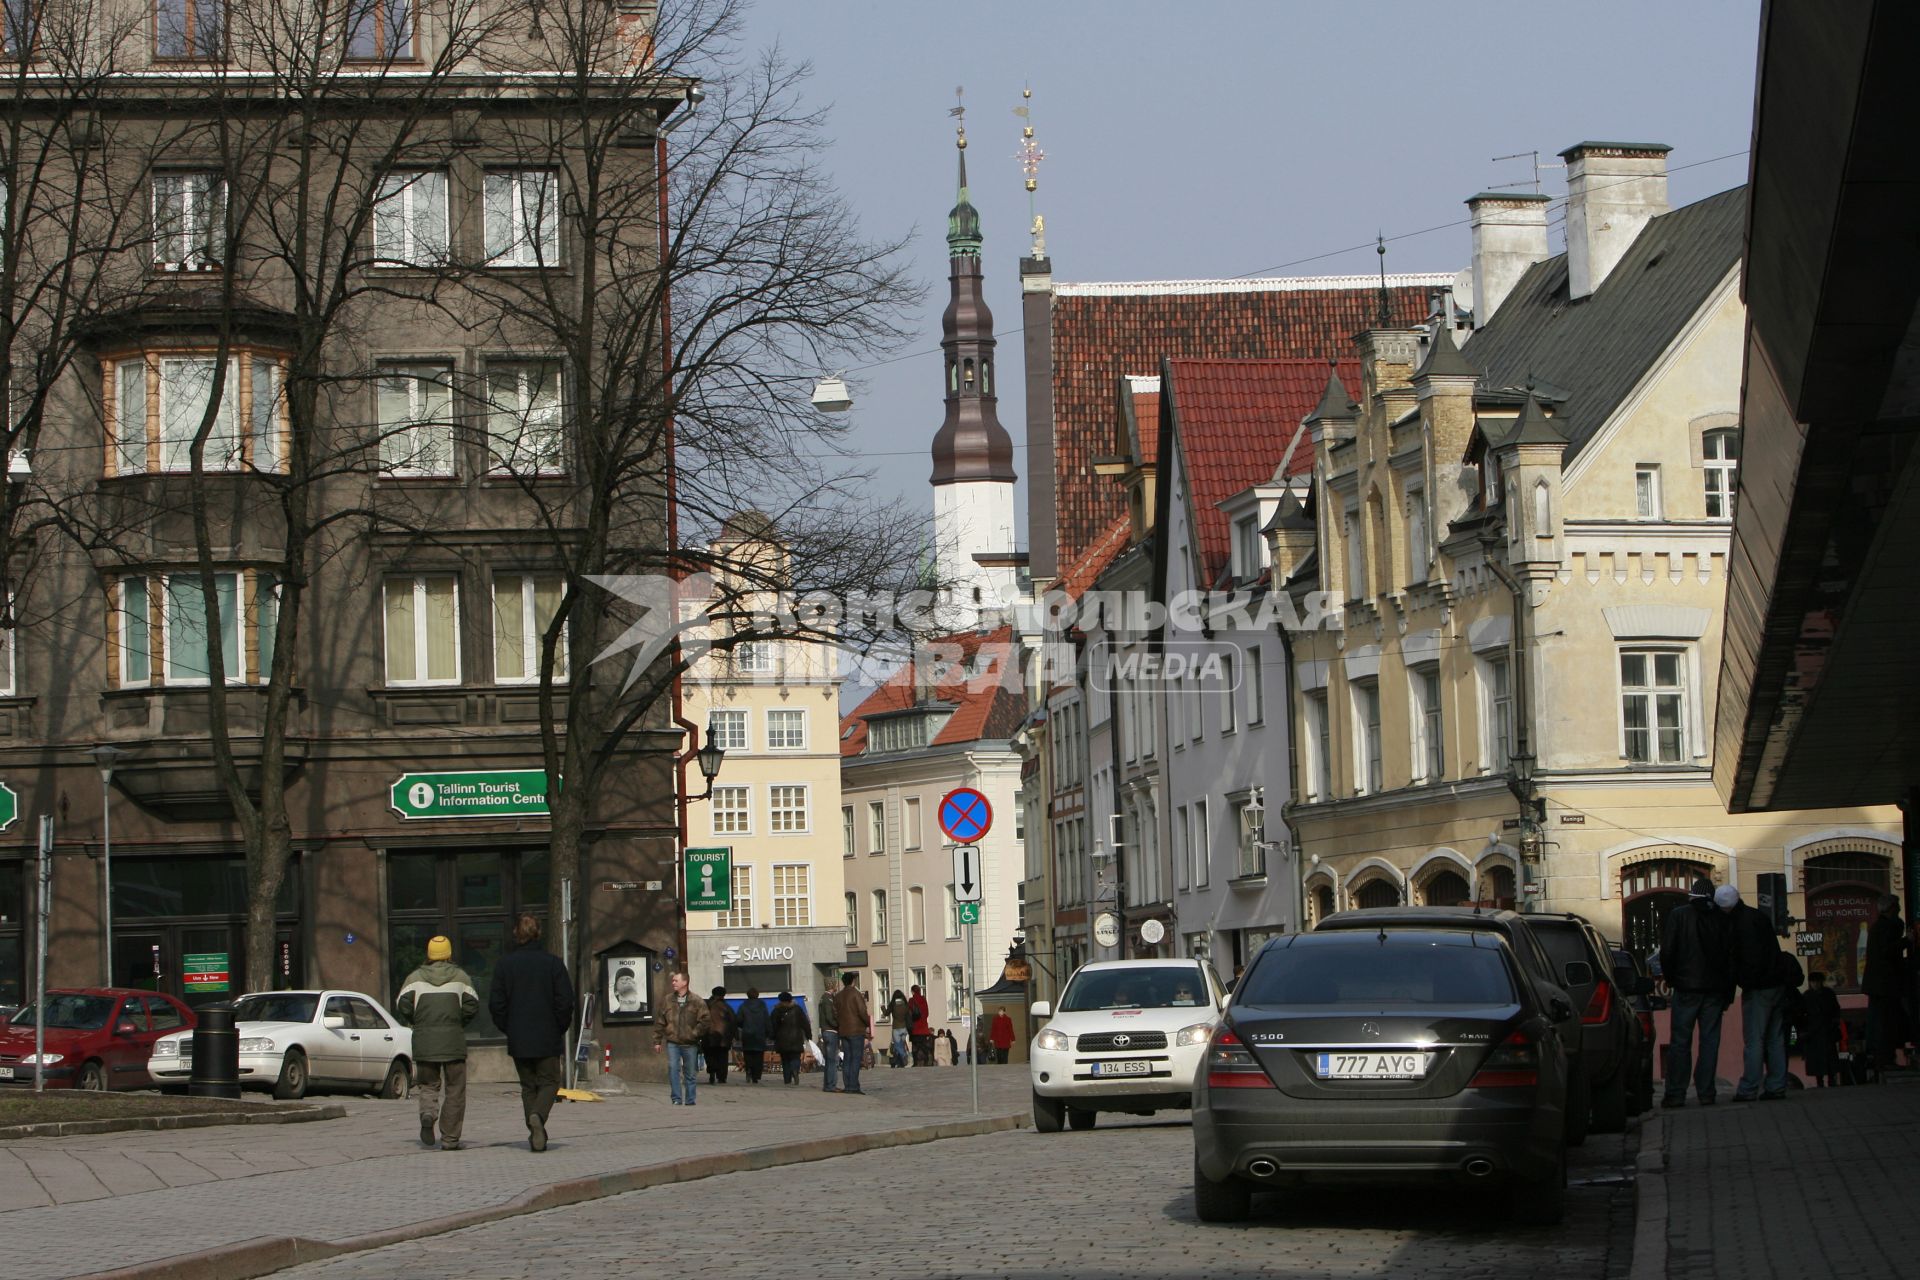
pixel 566 927
pixel 41 909
pixel 973 1019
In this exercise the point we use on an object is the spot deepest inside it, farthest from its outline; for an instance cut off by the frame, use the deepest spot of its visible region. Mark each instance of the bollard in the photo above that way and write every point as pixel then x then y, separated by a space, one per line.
pixel 606 1062
pixel 216 1054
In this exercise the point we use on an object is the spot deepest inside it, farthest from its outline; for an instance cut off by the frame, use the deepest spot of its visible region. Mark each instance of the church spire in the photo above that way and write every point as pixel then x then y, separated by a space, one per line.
pixel 971 444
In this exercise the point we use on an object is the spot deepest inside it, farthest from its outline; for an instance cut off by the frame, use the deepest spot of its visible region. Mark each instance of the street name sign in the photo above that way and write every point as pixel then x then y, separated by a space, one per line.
pixel 966 873
pixel 480 793
pixel 965 815
pixel 710 879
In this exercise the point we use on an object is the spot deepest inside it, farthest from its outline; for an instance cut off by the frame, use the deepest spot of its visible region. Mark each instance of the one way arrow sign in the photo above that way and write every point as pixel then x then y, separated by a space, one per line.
pixel 966 873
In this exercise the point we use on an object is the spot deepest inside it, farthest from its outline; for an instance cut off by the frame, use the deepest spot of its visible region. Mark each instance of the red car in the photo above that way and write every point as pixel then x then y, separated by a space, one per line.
pixel 96 1038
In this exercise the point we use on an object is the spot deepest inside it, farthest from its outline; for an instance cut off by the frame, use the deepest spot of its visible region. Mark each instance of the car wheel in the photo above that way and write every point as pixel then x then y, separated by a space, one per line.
pixel 1081 1119
pixel 398 1080
pixel 1229 1201
pixel 1539 1202
pixel 92 1076
pixel 292 1084
pixel 1579 1106
pixel 1048 1113
pixel 1610 1105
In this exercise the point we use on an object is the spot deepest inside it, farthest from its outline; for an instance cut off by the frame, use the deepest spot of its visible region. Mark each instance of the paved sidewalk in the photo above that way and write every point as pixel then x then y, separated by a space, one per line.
pixel 1822 1184
pixel 71 1206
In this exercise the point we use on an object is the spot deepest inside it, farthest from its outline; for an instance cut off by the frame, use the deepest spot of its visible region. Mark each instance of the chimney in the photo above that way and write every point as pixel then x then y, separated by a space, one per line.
pixel 1613 190
pixel 1509 235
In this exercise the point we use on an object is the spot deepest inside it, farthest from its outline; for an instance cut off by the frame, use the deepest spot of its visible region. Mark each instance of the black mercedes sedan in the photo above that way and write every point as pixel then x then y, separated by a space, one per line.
pixel 1396 1055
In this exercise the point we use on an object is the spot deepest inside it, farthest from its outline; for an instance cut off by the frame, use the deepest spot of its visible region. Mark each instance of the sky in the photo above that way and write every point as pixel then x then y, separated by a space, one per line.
pixel 1213 138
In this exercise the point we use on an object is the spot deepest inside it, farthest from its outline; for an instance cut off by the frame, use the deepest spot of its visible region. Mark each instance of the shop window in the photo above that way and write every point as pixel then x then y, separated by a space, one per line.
pixel 472 898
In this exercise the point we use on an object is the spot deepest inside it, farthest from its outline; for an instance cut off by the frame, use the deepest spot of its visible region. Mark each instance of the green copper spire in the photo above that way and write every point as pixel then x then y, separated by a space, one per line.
pixel 963 223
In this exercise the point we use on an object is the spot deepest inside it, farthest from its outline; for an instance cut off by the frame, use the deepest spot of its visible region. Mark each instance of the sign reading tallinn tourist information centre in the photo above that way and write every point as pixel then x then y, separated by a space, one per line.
pixel 495 793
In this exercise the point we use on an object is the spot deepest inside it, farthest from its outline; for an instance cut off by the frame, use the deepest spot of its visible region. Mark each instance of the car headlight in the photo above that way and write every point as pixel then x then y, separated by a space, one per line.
pixel 1052 1041
pixel 1198 1033
pixel 43 1059
pixel 258 1044
pixel 167 1049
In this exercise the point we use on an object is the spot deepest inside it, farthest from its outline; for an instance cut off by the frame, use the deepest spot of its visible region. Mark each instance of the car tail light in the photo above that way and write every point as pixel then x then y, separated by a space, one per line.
pixel 1599 1004
pixel 1231 1065
pixel 1514 1063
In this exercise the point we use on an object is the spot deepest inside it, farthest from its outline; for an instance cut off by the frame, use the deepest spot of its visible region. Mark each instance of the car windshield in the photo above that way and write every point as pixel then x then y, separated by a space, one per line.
pixel 1377 974
pixel 70 1013
pixel 276 1006
pixel 1165 987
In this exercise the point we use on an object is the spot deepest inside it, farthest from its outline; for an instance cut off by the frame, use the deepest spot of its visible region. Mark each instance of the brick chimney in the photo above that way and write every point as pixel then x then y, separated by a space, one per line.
pixel 1509 235
pixel 1613 190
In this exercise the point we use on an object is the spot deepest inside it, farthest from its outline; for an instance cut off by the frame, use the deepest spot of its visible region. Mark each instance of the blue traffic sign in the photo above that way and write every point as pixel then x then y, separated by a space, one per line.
pixel 965 815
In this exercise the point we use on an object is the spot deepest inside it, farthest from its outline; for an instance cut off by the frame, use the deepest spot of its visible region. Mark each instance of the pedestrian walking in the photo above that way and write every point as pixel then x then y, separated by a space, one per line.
pixel 918 1029
pixel 900 1015
pixel 829 1041
pixel 790 1030
pixel 532 1001
pixel 1883 980
pixel 953 1048
pixel 678 1025
pixel 1821 1047
pixel 1696 957
pixel 1000 1036
pixel 723 1027
pixel 755 1022
pixel 438 1001
pixel 854 1021
pixel 1758 970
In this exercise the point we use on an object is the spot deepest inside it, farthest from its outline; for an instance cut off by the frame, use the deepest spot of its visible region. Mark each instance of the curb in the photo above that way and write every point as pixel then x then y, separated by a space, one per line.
pixel 251 1258
pixel 192 1120
pixel 1650 1203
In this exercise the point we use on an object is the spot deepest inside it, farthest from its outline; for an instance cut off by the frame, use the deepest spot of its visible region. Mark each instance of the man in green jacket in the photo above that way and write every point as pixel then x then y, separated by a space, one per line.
pixel 438 1001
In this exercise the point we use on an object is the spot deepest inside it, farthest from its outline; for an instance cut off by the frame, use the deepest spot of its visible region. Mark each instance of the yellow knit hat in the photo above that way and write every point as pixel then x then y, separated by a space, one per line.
pixel 439 948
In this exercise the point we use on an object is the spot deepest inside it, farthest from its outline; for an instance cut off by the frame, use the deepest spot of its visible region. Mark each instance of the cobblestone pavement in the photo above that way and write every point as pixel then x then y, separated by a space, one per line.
pixel 144 1196
pixel 1822 1184
pixel 1111 1202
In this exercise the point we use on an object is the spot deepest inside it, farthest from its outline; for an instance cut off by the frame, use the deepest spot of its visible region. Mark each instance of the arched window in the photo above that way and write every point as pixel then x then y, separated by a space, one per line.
pixel 1377 893
pixel 1446 889
pixel 986 377
pixel 1542 510
pixel 1496 884
pixel 1648 891
pixel 1322 902
pixel 1843 890
pixel 966 376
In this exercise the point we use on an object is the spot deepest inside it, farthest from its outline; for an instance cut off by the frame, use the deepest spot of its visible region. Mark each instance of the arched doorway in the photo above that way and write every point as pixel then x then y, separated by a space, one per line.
pixel 1843 895
pixel 1378 892
pixel 1495 882
pixel 1648 891
pixel 1322 902
pixel 1446 889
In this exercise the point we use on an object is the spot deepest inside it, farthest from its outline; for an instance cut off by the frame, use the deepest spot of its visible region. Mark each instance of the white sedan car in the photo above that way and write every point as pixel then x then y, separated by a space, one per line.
pixel 291 1041
pixel 1128 1035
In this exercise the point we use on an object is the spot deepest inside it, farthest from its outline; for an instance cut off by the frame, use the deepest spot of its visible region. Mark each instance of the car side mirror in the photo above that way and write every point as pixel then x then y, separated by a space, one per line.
pixel 1579 973
pixel 333 1022
pixel 125 1027
pixel 1560 1008
pixel 1040 1009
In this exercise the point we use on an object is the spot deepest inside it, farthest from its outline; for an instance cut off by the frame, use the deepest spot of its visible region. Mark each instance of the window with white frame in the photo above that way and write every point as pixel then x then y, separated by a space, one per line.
pixel 1249 548
pixel 1256 686
pixel 1202 845
pixel 1646 491
pixel 1429 751
pixel 1356 552
pixel 956 993
pixel 786 730
pixel 189 220
pixel 740 914
pixel 847 836
pixel 159 402
pixel 910 822
pixel 1229 695
pixel 787 809
pixel 1366 744
pixel 916 914
pixel 410 219
pixel 919 973
pixel 853 918
pixel 423 629
pixel 522 217
pixel 1497 733
pixel 186 639
pixel 524 417
pixel 1653 706
pixel 524 608
pixel 731 811
pixel 879 916
pixel 952 913
pixel 415 407
pixel 792 895
pixel 881 988
pixel 876 826
pixel 753 657
pixel 727 728
pixel 1416 509
pixel 1319 747
pixel 1720 454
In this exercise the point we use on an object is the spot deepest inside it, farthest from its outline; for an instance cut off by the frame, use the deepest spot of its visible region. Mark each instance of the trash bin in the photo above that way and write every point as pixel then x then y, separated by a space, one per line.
pixel 216 1054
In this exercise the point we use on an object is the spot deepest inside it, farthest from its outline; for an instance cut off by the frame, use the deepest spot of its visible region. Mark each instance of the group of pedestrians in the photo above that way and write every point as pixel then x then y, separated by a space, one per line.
pixel 531 1002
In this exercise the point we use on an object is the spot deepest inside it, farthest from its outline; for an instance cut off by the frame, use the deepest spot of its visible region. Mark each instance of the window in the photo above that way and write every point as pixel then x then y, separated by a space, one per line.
pixel 1249 548
pixel 18 23
pixel 1429 752
pixel 522 215
pixel 1499 727
pixel 524 607
pixel 916 914
pixel 423 631
pixel 1182 847
pixel 786 730
pixel 1202 845
pixel 410 219
pixel 953 913
pixel 1646 491
pixel 727 728
pixel 1319 748
pixel 877 826
pixel 1356 553
pixel 1229 712
pixel 1653 705
pixel 853 919
pixel 1542 510
pixel 378 30
pixel 1720 451
pixel 158 405
pixel 846 830
pixel 956 993
pixel 788 813
pixel 792 895
pixel 1416 508
pixel 1246 821
pixel 732 811
pixel 920 980
pixel 524 416
pixel 189 221
pixel 740 914
pixel 881 989
pixel 1256 686
pixel 879 915
pixel 910 821
pixel 134 632
pixel 185 640
pixel 173 606
pixel 414 403
pixel 1366 718
pixel 469 896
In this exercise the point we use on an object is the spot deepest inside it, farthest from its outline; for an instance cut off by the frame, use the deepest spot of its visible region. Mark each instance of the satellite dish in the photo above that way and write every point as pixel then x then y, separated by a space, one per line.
pixel 1463 289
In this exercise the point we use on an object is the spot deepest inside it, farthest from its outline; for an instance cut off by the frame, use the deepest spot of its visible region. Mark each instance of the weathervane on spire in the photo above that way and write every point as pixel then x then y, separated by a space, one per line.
pixel 1030 157
pixel 959 113
pixel 1380 247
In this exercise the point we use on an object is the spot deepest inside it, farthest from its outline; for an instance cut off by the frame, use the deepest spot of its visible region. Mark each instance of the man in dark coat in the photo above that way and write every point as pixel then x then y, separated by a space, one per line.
pixel 1763 998
pixel 1885 976
pixel 532 1001
pixel 753 1034
pixel 791 1030
pixel 1696 960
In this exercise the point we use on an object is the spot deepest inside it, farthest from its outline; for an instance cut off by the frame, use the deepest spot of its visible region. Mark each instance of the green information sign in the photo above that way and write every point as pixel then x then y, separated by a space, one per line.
pixel 969 913
pixel 9 806
pixel 498 793
pixel 205 972
pixel 710 879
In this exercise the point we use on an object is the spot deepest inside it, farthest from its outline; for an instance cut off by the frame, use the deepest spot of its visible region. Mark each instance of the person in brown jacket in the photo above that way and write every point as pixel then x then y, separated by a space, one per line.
pixel 854 1021
pixel 723 1028
pixel 679 1023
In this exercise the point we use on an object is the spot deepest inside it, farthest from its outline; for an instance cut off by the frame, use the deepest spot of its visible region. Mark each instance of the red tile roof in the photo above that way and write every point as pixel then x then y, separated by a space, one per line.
pixel 1101 331
pixel 988 704
pixel 1146 421
pixel 1237 419
pixel 1077 578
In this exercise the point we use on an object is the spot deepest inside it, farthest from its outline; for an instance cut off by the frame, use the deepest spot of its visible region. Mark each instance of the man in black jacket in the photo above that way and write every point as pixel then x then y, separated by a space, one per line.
pixel 1882 982
pixel 532 1002
pixel 1696 961
pixel 1763 998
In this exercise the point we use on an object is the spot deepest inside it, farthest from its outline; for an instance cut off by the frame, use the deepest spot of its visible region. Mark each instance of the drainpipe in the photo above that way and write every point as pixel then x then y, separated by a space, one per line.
pixel 1520 777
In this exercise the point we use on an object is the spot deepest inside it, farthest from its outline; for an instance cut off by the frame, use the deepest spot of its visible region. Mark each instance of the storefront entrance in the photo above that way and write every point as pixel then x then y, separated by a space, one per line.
pixel 1843 897
pixel 179 927
pixel 1648 891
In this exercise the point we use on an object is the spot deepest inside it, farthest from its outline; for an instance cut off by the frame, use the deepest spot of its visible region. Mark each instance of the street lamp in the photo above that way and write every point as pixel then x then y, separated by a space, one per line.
pixel 709 758
pixel 106 756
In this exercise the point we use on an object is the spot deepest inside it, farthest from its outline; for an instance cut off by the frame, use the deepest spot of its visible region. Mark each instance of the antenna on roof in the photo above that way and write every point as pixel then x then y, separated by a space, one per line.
pixel 1380 247
pixel 1534 157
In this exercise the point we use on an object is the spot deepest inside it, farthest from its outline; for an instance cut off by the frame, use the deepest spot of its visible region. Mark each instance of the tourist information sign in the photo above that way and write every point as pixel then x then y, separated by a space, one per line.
pixel 480 793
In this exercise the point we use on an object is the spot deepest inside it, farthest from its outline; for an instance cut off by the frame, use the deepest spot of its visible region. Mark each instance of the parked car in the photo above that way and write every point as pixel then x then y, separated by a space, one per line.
pixel 1407 1053
pixel 1534 962
pixel 96 1038
pixel 293 1041
pixel 1127 1035
pixel 1632 975
pixel 1584 961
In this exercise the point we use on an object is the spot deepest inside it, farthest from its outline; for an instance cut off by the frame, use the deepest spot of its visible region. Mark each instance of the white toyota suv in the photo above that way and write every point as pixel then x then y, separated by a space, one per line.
pixel 1128 1035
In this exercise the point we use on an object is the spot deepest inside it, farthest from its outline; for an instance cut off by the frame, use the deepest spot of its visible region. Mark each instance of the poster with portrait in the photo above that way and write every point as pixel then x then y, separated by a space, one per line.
pixel 626 984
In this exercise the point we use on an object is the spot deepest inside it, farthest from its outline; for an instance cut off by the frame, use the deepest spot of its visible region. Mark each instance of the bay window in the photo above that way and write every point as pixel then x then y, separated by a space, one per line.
pixel 159 628
pixel 157 403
